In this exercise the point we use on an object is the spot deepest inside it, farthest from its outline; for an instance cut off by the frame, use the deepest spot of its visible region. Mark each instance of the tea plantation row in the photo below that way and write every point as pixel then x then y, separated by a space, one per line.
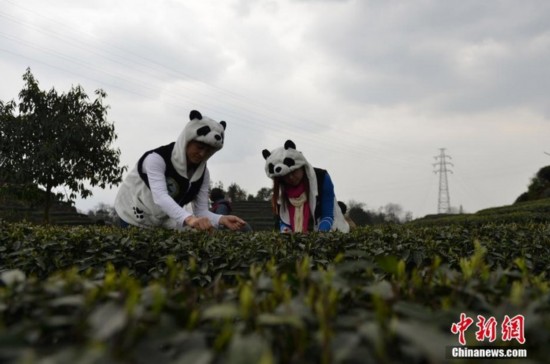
pixel 381 295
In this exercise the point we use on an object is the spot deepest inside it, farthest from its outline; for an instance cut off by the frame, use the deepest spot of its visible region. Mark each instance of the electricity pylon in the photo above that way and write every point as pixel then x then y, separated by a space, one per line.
pixel 444 201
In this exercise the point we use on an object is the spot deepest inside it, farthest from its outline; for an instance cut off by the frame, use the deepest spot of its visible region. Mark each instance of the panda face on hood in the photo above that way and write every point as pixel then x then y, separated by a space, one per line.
pixel 205 130
pixel 201 129
pixel 281 161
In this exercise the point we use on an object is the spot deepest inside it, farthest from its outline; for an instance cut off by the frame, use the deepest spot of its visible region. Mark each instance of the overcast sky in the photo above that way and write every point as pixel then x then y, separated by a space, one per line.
pixel 369 90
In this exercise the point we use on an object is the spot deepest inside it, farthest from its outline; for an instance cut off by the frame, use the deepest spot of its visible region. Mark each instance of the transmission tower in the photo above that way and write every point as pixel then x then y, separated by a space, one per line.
pixel 444 201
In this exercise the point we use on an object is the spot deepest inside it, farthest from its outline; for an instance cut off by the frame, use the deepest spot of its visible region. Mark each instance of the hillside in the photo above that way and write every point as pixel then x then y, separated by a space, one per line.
pixel 529 211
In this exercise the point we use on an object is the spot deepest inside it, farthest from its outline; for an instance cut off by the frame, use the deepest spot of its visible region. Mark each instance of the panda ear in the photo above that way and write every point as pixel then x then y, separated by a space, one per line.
pixel 266 153
pixel 289 144
pixel 195 115
pixel 224 124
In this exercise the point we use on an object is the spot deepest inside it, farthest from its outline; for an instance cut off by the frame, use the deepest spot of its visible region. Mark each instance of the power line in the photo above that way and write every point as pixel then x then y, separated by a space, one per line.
pixel 444 200
pixel 253 114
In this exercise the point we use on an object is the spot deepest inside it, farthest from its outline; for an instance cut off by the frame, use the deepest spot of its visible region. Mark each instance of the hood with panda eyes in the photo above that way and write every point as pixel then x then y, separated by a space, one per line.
pixel 201 129
pixel 281 161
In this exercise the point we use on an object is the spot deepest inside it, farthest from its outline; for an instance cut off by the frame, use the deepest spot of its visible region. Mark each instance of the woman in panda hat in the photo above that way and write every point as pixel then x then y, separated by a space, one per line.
pixel 166 179
pixel 303 196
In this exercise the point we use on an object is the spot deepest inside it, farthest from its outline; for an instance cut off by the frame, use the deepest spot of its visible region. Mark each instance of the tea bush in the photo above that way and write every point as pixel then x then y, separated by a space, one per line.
pixel 386 294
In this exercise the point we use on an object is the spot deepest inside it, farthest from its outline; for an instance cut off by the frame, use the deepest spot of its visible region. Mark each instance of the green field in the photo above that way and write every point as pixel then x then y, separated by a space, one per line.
pixel 386 294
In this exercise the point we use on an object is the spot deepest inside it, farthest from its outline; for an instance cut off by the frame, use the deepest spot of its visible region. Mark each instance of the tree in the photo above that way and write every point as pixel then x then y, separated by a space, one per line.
pixel 11 136
pixel 544 174
pixel 264 194
pixel 393 212
pixel 58 140
pixel 218 184
pixel 103 214
pixel 538 188
pixel 236 193
pixel 361 217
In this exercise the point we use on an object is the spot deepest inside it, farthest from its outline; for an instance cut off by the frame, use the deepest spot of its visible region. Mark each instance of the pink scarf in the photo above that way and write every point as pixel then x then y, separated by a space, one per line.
pixel 298 207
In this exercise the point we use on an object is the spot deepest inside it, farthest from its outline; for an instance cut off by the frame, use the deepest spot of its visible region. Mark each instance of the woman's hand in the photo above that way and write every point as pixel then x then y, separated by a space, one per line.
pixel 232 222
pixel 199 223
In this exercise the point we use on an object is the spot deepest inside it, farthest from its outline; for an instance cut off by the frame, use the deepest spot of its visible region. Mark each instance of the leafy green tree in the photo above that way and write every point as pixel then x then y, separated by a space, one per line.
pixel 393 212
pixel 236 193
pixel 103 214
pixel 218 184
pixel 538 188
pixel 264 194
pixel 58 140
pixel 544 174
pixel 11 135
pixel 356 211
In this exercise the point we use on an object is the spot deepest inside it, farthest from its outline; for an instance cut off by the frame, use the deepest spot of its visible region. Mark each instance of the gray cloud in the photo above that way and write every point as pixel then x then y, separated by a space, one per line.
pixel 471 55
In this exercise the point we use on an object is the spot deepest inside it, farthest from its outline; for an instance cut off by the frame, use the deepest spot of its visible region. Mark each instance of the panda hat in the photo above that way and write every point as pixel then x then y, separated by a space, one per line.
pixel 281 161
pixel 201 129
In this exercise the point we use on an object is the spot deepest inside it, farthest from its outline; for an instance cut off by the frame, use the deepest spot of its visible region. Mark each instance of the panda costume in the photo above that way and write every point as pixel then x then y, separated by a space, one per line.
pixel 157 190
pixel 322 211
